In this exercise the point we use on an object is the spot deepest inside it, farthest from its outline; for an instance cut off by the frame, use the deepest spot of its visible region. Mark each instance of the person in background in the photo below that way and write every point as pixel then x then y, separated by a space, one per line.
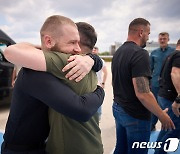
pixel 102 76
pixel 157 57
pixel 1 55
pixel 169 95
pixel 132 96
pixel 15 74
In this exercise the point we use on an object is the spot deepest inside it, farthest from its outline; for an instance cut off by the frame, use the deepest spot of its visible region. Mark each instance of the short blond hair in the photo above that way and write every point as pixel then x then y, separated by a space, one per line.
pixel 53 23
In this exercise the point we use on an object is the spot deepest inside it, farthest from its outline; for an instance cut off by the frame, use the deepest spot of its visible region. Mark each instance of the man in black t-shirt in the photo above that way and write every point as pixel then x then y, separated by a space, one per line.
pixel 169 94
pixel 132 95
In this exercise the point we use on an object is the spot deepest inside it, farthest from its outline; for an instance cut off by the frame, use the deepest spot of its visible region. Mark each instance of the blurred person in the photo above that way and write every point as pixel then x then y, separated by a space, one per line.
pixel 27 126
pixel 169 95
pixel 15 74
pixel 132 96
pixel 157 57
pixel 102 76
pixel 1 55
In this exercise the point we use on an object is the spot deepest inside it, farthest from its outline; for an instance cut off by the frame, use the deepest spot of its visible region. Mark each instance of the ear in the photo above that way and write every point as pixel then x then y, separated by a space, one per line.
pixel 49 42
pixel 141 32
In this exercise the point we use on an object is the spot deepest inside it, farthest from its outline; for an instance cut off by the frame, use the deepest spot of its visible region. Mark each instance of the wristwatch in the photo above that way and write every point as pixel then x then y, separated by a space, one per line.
pixel 177 100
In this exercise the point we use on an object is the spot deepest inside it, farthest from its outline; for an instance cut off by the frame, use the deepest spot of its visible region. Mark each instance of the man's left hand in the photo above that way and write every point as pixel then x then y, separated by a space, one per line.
pixel 79 66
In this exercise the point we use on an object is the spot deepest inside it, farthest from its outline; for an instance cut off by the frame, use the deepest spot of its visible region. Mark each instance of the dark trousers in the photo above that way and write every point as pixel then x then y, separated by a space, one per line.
pixel 6 150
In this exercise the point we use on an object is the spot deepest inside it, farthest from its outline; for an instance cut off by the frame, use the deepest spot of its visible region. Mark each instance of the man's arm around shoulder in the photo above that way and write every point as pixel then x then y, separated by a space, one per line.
pixel 49 90
pixel 26 55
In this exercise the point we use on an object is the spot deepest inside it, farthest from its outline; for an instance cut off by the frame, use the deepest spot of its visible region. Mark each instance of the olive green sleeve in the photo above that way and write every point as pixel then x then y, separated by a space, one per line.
pixel 55 61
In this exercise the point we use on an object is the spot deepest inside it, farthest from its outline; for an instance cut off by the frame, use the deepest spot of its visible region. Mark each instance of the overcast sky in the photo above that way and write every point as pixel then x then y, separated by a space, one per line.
pixel 22 19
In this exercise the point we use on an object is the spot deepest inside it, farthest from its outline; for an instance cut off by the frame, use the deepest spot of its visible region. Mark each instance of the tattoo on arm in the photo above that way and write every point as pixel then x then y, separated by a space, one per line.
pixel 142 84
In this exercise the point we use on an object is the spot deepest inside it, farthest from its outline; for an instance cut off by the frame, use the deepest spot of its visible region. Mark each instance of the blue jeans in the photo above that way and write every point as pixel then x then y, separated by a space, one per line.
pixel 164 135
pixel 128 131
pixel 154 118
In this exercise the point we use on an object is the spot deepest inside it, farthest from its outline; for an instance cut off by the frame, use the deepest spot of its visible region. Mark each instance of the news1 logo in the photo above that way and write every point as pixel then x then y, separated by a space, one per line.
pixel 170 145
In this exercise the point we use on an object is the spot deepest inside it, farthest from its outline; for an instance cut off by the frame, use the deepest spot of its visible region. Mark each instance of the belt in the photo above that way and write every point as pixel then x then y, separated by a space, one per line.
pixel 28 147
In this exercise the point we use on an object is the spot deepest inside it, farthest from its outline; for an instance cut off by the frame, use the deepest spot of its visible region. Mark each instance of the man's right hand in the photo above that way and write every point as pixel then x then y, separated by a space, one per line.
pixel 167 123
pixel 79 66
pixel 176 109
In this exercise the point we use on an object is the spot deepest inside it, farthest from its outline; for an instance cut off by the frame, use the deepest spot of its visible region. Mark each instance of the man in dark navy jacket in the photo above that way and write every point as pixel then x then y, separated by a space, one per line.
pixel 27 126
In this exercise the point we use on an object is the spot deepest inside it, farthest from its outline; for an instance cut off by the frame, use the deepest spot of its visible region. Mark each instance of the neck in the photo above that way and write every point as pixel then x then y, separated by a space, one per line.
pixel 44 48
pixel 85 50
pixel 178 48
pixel 164 47
pixel 133 39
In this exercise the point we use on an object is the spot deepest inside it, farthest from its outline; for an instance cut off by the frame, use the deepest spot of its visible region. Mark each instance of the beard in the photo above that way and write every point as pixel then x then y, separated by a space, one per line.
pixel 143 42
pixel 55 48
pixel 143 45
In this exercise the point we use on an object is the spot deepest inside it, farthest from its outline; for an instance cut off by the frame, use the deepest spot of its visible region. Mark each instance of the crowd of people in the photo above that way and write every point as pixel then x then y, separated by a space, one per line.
pixel 57 97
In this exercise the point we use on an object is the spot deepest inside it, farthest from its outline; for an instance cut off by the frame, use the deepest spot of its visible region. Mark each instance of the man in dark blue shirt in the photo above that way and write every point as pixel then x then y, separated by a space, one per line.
pixel 156 60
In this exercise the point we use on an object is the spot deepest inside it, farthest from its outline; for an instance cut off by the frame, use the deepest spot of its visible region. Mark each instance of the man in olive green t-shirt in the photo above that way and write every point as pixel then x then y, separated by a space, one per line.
pixel 66 135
